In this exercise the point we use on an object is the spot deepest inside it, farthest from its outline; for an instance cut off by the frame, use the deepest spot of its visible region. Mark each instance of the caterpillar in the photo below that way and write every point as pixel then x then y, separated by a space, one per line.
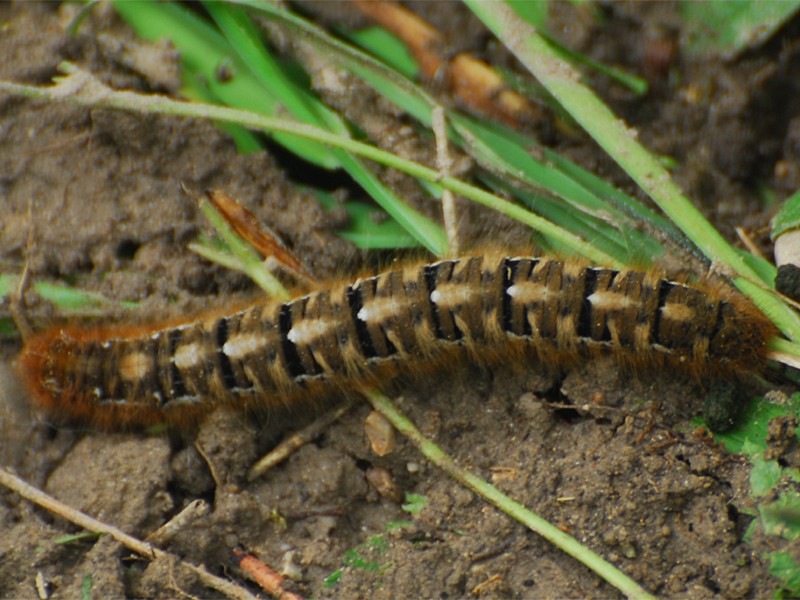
pixel 274 354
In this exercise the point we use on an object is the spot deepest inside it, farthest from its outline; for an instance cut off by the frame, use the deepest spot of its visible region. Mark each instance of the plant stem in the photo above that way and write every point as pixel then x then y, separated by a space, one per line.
pixel 551 533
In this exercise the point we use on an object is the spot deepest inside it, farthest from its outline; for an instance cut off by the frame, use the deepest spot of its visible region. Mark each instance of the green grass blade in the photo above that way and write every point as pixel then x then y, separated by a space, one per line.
pixel 246 141
pixel 428 233
pixel 245 39
pixel 497 148
pixel 511 154
pixel 248 260
pixel 535 13
pixel 611 195
pixel 203 51
pixel 550 532
pixel 81 89
pixel 626 244
pixel 391 50
pixel 369 229
pixel 66 299
pixel 620 143
pixel 492 149
pixel 253 69
pixel 636 84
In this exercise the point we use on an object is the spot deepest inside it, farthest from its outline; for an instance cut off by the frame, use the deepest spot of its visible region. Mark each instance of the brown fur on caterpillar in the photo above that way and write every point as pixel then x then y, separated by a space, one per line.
pixel 344 336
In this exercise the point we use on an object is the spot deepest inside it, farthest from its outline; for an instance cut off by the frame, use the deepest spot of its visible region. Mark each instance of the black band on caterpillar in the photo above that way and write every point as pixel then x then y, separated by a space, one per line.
pixel 273 354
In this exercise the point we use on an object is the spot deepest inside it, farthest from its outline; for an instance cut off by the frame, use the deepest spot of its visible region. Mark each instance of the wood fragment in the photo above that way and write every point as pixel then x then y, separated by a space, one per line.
pixel 270 581
pixel 193 511
pixel 258 235
pixel 472 81
pixel 297 440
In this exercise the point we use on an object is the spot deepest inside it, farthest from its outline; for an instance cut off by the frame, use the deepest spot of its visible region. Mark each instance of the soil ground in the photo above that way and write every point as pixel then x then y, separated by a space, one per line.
pixel 620 468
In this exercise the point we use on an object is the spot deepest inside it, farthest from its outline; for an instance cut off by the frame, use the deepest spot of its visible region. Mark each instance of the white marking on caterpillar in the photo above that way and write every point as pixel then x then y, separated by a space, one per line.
pixel 135 366
pixel 309 330
pixel 243 345
pixel 187 356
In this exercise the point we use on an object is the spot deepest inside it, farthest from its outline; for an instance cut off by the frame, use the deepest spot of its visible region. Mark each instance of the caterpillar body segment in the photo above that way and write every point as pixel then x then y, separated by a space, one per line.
pixel 272 354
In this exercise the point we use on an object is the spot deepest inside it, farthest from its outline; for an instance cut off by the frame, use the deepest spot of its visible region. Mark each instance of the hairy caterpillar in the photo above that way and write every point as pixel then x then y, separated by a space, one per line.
pixel 272 354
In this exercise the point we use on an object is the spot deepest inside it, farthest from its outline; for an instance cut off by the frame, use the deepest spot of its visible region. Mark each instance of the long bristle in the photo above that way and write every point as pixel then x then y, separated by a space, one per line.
pixel 487 308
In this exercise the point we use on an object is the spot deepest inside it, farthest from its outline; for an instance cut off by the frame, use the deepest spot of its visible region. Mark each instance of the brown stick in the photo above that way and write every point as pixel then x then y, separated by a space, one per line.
pixel 38 497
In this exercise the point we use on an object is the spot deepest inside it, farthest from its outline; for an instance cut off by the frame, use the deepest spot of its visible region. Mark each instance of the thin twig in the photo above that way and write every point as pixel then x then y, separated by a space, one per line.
pixel 193 511
pixel 16 305
pixel 38 497
pixel 209 463
pixel 17 300
pixel 445 165
pixel 297 440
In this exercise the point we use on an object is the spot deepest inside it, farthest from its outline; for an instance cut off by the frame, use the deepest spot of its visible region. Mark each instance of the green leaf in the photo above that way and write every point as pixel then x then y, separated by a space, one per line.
pixel 788 217
pixel 749 436
pixel 398 525
pixel 332 579
pixel 534 13
pixel 764 476
pixel 752 529
pixel 782 517
pixel 787 569
pixel 730 27
pixel 415 503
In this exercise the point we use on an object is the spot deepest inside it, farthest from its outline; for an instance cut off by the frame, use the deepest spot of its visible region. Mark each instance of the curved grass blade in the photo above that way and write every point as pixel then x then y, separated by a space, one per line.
pixel 620 143
pixel 505 155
